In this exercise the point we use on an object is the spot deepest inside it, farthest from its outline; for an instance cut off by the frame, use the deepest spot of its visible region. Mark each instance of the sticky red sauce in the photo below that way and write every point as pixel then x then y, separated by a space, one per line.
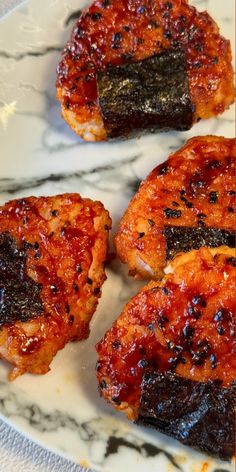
pixel 59 234
pixel 186 326
pixel 115 32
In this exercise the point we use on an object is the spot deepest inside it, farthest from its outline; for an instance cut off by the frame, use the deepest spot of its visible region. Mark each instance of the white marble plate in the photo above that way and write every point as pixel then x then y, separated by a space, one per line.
pixel 41 156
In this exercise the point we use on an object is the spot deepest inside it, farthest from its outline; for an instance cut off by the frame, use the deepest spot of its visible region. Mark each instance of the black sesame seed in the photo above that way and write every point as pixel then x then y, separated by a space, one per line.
pixel 169 344
pixel 142 363
pixel 176 204
pixel 140 235
pixel 213 361
pixel 103 385
pixel 67 308
pixel 196 300
pixel 89 281
pixel 126 28
pixel 205 345
pixel 71 320
pixel 177 349
pixel 78 268
pixel 201 215
pixel 141 9
pixel 54 288
pixel 219 315
pixel 188 331
pixel 199 357
pixel 201 223
pixel 214 164
pixel 173 361
pixel 167 34
pixel 151 222
pixel 191 310
pixel 97 291
pixel 182 360
pixel 198 47
pixel 116 344
pixel 154 24
pixel 230 209
pixel 231 261
pixel 117 37
pixel 105 3
pixel 215 60
pixel 213 197
pixel 98 366
pixel 54 212
pixel 142 350
pixel 199 184
pixel 220 330
pixel 75 287
pixel 151 326
pixel 89 77
pixel 116 400
pixel 162 169
pixel 36 245
pixel 107 228
pixel 231 192
pixel 163 319
pixel 165 291
pixel 96 16
pixel 169 5
pixel 169 213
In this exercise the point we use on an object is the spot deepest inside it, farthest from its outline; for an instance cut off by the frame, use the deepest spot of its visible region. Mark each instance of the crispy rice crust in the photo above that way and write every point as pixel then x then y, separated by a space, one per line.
pixel 66 239
pixel 194 187
pixel 184 324
pixel 114 32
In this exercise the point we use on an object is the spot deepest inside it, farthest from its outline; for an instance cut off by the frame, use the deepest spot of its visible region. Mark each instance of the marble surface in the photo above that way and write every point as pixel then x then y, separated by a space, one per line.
pixel 40 155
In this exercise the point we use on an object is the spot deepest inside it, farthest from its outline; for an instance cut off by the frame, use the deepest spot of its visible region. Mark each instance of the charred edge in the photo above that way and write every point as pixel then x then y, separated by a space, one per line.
pixel 137 96
pixel 73 16
pixel 184 238
pixel 19 294
pixel 145 449
pixel 200 415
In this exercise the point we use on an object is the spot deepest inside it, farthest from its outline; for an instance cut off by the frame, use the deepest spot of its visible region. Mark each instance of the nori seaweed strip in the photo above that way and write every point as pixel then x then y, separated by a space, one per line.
pixel 19 294
pixel 200 415
pixel 146 95
pixel 186 238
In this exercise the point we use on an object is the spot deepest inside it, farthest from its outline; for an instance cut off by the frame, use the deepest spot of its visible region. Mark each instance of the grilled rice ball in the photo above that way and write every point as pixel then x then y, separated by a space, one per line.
pixel 110 33
pixel 52 255
pixel 187 202
pixel 182 330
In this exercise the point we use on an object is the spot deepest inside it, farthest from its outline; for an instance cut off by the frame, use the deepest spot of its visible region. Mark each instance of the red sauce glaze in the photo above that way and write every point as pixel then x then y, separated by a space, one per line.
pixel 115 32
pixel 187 325
pixel 194 187
pixel 63 241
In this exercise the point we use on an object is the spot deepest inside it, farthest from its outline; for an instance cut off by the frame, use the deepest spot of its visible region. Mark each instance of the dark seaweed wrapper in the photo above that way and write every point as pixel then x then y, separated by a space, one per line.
pixel 19 294
pixel 152 94
pixel 186 238
pixel 200 415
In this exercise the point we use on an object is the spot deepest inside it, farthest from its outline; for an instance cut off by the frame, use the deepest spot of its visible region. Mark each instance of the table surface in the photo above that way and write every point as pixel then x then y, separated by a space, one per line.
pixel 18 454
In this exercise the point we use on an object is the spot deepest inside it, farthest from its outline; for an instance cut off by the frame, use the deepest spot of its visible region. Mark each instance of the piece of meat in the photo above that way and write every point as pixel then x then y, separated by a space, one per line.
pixel 52 255
pixel 180 332
pixel 187 202
pixel 110 33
